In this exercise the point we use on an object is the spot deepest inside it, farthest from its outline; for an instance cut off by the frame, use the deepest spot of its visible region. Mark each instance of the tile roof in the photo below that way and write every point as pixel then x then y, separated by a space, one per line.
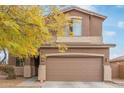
pixel 120 58
pixel 83 10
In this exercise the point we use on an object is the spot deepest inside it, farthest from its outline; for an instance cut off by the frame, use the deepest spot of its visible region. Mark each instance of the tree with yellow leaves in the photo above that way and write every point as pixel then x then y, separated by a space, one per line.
pixel 23 29
pixel 57 22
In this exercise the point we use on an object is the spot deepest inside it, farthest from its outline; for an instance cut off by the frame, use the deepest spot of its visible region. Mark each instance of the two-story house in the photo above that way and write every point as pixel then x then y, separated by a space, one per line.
pixel 86 58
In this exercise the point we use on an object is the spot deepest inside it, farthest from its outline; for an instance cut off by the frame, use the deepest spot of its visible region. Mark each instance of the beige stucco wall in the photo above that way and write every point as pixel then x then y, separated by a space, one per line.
pixel 95 26
pixel 89 39
pixel 107 73
pixel 121 70
pixel 19 71
pixel 27 71
pixel 115 69
pixel 3 75
pixel 104 51
pixel 42 72
pixel 12 60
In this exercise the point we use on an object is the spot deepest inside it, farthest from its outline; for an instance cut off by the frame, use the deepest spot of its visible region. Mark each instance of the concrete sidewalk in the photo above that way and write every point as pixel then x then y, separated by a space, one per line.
pixel 30 83
pixel 118 81
pixel 64 84
pixel 33 83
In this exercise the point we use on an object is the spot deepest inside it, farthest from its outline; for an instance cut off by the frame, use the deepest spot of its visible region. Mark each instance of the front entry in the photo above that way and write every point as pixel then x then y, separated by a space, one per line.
pixel 36 63
pixel 74 69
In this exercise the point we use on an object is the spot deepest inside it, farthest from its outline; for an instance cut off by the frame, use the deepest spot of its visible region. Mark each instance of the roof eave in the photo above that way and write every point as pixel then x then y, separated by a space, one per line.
pixel 114 61
pixel 84 46
pixel 85 11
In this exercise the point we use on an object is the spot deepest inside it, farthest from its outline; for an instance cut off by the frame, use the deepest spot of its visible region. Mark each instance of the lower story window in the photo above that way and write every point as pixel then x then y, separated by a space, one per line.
pixel 20 62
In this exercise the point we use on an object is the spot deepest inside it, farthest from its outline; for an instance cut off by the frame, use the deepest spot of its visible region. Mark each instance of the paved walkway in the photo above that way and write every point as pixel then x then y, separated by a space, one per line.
pixel 31 83
pixel 58 84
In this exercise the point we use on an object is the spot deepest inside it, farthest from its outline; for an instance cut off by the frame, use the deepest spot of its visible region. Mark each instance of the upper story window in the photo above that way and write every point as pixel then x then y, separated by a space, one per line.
pixel 76 26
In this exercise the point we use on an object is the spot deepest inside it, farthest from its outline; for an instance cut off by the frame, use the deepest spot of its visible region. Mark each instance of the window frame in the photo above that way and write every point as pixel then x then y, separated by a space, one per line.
pixel 76 23
pixel 71 27
pixel 19 62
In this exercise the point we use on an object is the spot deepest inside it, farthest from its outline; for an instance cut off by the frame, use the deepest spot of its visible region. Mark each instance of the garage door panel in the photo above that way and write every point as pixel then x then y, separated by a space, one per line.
pixel 74 69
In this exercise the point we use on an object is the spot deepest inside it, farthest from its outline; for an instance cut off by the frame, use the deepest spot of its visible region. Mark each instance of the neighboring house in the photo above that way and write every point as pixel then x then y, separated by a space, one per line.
pixel 117 65
pixel 86 58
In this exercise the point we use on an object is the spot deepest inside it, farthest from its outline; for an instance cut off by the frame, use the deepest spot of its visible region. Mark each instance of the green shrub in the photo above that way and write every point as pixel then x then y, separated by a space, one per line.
pixel 9 70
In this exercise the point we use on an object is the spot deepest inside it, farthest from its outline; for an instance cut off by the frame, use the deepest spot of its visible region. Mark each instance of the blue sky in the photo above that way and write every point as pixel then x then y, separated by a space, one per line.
pixel 113 26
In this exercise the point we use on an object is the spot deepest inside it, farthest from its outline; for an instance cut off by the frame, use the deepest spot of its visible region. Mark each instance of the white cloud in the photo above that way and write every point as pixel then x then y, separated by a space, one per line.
pixel 114 55
pixel 109 33
pixel 121 24
pixel 88 7
pixel 120 6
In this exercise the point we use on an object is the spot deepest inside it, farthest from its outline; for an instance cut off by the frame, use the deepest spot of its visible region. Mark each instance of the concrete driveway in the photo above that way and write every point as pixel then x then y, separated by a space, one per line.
pixel 58 84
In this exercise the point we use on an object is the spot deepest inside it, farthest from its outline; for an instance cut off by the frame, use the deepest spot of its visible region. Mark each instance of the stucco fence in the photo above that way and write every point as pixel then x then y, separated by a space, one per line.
pixel 117 69
pixel 23 71
pixel 20 72
pixel 3 75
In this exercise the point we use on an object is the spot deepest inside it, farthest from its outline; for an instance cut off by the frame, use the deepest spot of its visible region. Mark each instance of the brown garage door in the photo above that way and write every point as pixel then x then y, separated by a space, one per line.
pixel 74 69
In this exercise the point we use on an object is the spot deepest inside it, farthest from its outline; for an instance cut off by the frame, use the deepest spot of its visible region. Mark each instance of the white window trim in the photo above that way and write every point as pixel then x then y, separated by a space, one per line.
pixel 77 17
